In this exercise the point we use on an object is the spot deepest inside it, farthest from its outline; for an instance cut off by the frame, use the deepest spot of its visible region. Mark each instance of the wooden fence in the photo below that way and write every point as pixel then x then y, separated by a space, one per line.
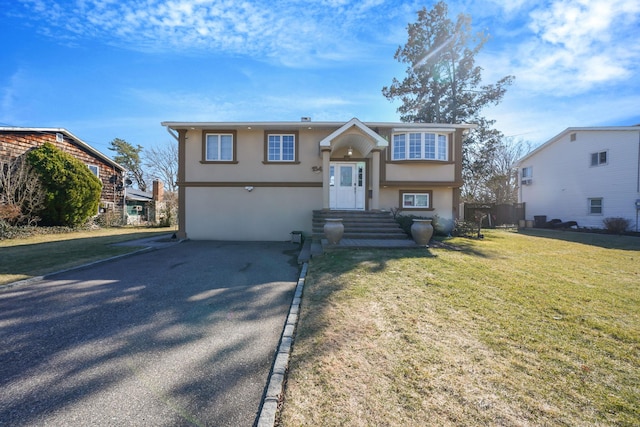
pixel 495 214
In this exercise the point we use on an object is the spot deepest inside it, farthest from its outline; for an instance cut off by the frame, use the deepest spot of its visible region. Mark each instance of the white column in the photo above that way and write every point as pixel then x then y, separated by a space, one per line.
pixel 375 180
pixel 326 177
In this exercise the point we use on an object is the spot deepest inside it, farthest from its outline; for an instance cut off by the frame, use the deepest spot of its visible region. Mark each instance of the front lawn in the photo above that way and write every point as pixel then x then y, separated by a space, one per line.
pixel 23 258
pixel 534 328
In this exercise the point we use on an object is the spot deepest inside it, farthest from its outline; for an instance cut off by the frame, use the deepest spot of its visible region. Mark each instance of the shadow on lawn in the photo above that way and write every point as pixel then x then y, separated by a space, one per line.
pixel 184 335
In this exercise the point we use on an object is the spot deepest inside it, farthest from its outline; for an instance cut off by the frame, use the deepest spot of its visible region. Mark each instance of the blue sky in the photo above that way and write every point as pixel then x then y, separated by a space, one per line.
pixel 106 69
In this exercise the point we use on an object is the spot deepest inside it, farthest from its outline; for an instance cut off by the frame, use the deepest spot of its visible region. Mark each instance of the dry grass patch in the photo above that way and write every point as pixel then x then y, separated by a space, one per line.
pixel 514 329
pixel 23 258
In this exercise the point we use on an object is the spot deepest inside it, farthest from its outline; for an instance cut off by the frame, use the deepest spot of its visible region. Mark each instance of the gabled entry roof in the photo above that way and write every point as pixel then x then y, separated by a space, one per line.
pixel 354 134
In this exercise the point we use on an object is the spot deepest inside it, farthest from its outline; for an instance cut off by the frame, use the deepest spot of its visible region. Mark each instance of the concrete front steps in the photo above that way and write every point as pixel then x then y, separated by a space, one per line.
pixel 363 229
pixel 361 225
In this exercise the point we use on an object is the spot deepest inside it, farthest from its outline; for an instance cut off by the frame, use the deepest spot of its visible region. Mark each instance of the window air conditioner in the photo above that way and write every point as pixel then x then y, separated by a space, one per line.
pixel 526 181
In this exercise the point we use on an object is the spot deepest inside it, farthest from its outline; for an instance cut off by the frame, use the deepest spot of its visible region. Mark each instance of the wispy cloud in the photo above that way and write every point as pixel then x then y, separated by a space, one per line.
pixel 578 45
pixel 294 32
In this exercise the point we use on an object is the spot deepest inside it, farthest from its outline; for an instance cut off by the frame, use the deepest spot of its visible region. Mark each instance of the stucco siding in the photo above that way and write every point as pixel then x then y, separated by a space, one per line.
pixel 564 180
pixel 442 202
pixel 264 214
pixel 250 166
pixel 420 171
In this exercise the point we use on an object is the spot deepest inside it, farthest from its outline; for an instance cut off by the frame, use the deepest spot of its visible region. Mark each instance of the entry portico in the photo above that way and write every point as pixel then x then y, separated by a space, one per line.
pixel 354 137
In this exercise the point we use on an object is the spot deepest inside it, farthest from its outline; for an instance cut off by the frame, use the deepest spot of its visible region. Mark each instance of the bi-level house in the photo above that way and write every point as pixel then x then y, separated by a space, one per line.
pixel 584 174
pixel 15 141
pixel 263 180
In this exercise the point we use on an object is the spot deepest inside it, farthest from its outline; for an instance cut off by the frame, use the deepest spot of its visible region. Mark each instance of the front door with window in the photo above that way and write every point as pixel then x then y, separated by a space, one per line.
pixel 347 185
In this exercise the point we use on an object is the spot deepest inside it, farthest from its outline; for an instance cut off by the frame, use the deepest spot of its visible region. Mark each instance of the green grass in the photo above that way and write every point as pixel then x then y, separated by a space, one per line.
pixel 533 328
pixel 23 258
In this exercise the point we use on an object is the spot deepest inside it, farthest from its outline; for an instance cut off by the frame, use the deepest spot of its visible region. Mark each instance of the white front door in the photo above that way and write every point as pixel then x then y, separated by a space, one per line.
pixel 347 185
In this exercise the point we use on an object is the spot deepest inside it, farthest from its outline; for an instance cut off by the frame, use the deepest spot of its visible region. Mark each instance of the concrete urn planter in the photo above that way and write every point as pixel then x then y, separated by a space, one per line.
pixel 422 231
pixel 333 230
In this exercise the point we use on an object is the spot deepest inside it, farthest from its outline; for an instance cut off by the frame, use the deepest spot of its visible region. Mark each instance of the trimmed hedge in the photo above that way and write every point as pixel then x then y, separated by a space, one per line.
pixel 72 191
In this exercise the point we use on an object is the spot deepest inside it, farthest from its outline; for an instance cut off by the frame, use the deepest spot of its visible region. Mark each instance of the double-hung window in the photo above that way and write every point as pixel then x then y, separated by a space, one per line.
pixel 595 206
pixel 281 147
pixel 420 146
pixel 598 159
pixel 219 147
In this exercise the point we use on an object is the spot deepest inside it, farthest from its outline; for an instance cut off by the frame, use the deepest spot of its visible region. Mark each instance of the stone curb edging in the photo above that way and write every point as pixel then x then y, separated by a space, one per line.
pixel 278 373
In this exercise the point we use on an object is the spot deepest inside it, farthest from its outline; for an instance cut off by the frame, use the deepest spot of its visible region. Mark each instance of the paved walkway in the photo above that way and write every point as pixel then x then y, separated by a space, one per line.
pixel 183 335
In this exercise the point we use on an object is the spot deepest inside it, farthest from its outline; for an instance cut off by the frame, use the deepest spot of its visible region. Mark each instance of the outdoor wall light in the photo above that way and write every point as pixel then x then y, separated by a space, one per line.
pixel 350 152
pixel 249 188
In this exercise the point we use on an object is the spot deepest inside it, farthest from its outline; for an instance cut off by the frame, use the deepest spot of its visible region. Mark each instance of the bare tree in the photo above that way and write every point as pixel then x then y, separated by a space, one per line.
pixel 162 164
pixel 491 176
pixel 21 193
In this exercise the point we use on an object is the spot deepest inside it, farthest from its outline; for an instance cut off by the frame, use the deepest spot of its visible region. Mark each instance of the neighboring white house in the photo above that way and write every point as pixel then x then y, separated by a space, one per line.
pixel 584 175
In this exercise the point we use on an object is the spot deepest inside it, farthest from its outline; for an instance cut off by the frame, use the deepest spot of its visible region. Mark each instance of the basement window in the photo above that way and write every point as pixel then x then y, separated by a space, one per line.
pixel 416 200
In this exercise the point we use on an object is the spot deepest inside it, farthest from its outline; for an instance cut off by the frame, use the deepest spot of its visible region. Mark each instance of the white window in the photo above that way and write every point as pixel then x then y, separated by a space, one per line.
pixel 420 146
pixel 94 170
pixel 527 175
pixel 599 158
pixel 281 148
pixel 219 147
pixel 595 206
pixel 416 200
pixel 59 137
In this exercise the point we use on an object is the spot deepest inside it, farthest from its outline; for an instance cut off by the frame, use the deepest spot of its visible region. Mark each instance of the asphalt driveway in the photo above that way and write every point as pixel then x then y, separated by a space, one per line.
pixel 179 336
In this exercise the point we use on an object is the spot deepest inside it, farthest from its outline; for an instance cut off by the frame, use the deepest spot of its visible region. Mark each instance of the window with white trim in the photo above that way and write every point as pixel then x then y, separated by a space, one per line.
pixel 219 147
pixel 281 148
pixel 527 175
pixel 415 199
pixel 599 158
pixel 420 146
pixel 94 170
pixel 595 206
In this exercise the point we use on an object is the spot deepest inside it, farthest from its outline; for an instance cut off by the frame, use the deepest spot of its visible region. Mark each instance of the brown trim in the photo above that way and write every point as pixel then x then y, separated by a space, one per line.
pixel 401 194
pixel 454 184
pixel 296 136
pixel 249 183
pixel 458 155
pixel 434 162
pixel 234 145
pixel 182 203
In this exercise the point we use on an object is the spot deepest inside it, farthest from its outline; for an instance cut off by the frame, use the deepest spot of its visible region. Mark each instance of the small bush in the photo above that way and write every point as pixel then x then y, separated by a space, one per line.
pixel 616 225
pixel 465 229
